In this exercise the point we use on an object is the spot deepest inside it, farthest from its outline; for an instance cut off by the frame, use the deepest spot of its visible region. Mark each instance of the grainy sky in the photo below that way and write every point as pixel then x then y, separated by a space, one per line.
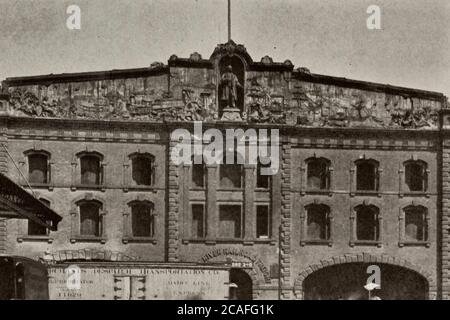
pixel 327 36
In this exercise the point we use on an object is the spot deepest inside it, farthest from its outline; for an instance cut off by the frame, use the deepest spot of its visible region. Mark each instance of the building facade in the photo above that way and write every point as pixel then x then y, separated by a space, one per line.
pixel 361 182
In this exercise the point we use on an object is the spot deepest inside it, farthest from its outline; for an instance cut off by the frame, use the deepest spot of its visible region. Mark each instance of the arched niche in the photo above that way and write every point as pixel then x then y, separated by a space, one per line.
pixel 238 69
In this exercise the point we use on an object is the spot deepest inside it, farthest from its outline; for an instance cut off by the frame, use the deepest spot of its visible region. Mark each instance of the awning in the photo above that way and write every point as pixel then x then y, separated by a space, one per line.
pixel 16 202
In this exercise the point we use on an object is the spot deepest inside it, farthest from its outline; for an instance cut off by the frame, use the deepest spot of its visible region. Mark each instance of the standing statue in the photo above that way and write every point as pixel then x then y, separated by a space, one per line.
pixel 229 83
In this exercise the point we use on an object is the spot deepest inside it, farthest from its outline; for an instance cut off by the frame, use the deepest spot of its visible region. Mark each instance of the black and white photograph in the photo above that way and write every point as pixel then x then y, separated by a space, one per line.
pixel 191 150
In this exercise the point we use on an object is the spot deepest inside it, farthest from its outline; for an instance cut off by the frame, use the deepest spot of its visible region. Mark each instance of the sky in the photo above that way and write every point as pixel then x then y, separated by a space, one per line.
pixel 330 37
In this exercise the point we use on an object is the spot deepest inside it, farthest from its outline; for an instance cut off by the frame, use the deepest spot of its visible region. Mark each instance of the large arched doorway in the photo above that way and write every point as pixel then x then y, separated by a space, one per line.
pixel 346 282
pixel 243 282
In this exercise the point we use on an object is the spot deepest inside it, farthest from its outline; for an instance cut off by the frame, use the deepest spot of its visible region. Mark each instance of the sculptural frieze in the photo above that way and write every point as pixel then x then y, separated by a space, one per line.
pixel 306 105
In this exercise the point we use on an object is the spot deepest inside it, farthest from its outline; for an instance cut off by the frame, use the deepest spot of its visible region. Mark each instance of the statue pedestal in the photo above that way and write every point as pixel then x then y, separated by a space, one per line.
pixel 231 114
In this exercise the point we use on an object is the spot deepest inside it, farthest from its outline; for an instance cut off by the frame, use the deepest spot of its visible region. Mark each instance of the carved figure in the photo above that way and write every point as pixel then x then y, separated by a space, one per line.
pixel 229 84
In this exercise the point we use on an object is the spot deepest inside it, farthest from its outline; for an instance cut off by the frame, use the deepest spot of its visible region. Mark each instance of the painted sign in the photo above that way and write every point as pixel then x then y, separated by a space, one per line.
pixel 250 259
pixel 138 282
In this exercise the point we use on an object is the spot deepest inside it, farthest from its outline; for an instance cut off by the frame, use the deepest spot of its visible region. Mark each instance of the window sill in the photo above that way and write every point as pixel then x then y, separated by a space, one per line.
pixel 48 186
pixel 230 240
pixel 259 189
pixel 319 192
pixel 75 239
pixel 230 189
pixel 88 186
pixel 139 188
pixel 366 243
pixel 126 240
pixel 366 193
pixel 414 244
pixel 34 238
pixel 317 242
pixel 197 188
pixel 415 194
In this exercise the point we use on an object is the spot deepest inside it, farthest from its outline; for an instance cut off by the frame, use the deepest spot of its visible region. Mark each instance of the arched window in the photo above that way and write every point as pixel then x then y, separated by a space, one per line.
pixel 367 223
pixel 318 222
pixel 142 219
pixel 91 168
pixel 367 175
pixel 318 173
pixel 35 229
pixel 38 166
pixel 416 223
pixel 198 174
pixel 416 175
pixel 231 174
pixel 90 220
pixel 142 169
pixel 262 180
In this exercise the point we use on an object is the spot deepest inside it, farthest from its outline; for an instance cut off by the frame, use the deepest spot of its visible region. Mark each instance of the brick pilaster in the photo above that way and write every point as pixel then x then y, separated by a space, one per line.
pixel 445 222
pixel 173 225
pixel 285 229
pixel 4 170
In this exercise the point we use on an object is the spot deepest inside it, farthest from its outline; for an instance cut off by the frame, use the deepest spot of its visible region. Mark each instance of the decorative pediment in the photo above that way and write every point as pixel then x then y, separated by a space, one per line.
pixel 231 48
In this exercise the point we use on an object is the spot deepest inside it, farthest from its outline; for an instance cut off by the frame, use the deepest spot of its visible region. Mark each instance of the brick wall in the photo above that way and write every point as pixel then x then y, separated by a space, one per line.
pixel 445 247
pixel 285 236
pixel 3 169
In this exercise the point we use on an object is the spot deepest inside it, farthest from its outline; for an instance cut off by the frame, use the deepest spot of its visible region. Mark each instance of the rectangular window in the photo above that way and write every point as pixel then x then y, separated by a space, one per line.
pixel 231 176
pixel 90 170
pixel 90 220
pixel 262 180
pixel 38 168
pixel 318 222
pixel 416 176
pixel 35 229
pixel 367 224
pixel 142 220
pixel 367 176
pixel 198 221
pixel 142 168
pixel 198 175
pixel 318 174
pixel 263 222
pixel 416 224
pixel 230 221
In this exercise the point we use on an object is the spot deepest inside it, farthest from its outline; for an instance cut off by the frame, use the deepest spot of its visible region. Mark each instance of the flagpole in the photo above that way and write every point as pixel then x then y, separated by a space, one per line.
pixel 229 20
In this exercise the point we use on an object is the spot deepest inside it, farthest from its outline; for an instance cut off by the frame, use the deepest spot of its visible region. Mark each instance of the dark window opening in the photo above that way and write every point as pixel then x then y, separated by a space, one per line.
pixel 262 180
pixel 230 221
pixel 263 222
pixel 231 174
pixel 35 229
pixel 90 223
pixel 198 221
pixel 38 168
pixel 367 175
pixel 416 176
pixel 318 176
pixel 198 175
pixel 142 220
pixel 90 170
pixel 20 281
pixel 367 223
pixel 318 222
pixel 142 170
pixel 416 224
